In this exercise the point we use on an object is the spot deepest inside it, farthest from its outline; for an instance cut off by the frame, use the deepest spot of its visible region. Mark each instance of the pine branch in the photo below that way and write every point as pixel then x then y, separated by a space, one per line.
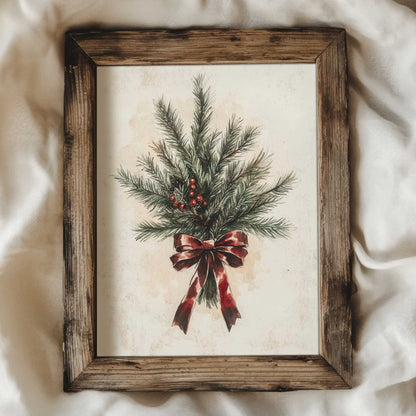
pixel 209 292
pixel 170 123
pixel 232 185
pixel 173 166
pixel 238 184
pixel 148 164
pixel 208 153
pixel 203 149
pixel 189 222
pixel 243 193
pixel 263 227
pixel 283 185
pixel 202 113
pixel 254 171
pixel 150 229
pixel 262 202
pixel 258 167
pixel 233 145
pixel 271 195
pixel 146 191
pixel 245 142
pixel 229 141
pixel 237 142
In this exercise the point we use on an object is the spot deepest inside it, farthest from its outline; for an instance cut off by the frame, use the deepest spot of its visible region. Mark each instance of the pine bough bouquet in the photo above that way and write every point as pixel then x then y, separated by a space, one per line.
pixel 208 191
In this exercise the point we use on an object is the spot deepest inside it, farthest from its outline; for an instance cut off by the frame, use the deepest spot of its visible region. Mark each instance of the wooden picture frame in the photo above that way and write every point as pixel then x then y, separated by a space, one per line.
pixel 332 367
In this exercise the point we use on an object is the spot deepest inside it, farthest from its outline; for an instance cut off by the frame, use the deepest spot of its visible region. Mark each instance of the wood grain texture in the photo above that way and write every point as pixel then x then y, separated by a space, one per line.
pixel 79 211
pixel 216 46
pixel 261 373
pixel 332 369
pixel 334 208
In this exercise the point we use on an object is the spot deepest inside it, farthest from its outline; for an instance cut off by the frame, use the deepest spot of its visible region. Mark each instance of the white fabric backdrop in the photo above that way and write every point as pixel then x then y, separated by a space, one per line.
pixel 382 63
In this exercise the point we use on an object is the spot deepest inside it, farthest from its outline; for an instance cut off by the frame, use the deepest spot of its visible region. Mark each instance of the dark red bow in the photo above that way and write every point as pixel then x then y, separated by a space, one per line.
pixel 210 255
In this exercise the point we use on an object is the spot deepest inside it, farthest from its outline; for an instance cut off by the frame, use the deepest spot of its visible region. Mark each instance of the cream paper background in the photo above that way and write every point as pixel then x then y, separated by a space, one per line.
pixel 276 290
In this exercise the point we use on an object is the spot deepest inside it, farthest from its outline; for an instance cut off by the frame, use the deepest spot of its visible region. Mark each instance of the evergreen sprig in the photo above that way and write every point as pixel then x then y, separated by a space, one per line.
pixel 148 191
pixel 232 181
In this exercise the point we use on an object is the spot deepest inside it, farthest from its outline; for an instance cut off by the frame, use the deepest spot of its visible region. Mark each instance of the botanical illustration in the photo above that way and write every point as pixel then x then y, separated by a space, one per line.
pixel 208 190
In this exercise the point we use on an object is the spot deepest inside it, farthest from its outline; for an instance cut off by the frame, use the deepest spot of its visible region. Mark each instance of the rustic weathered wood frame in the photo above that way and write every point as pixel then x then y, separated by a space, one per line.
pixel 84 51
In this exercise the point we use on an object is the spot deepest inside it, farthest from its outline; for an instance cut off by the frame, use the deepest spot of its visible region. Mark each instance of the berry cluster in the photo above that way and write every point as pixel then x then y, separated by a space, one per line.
pixel 177 204
pixel 194 199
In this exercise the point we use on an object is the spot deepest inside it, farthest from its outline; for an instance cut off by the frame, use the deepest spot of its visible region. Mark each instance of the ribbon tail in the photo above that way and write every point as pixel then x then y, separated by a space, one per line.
pixel 183 313
pixel 228 307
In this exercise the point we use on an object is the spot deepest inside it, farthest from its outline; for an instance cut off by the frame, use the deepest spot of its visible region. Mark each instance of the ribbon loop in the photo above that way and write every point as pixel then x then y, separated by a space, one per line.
pixel 210 256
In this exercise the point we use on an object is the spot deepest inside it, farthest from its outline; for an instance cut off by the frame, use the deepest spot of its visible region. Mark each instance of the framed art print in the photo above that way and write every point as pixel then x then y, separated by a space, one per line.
pixel 206 210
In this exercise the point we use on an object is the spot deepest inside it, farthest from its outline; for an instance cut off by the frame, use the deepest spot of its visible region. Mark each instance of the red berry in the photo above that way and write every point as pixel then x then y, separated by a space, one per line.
pixel 191 181
pixel 204 203
pixel 181 206
pixel 191 193
pixel 192 202
pixel 185 207
pixel 199 198
pixel 175 204
pixel 192 187
pixel 172 197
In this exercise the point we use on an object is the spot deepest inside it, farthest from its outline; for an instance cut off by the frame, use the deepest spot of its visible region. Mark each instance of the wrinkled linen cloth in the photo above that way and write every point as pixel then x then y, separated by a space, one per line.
pixel 382 69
